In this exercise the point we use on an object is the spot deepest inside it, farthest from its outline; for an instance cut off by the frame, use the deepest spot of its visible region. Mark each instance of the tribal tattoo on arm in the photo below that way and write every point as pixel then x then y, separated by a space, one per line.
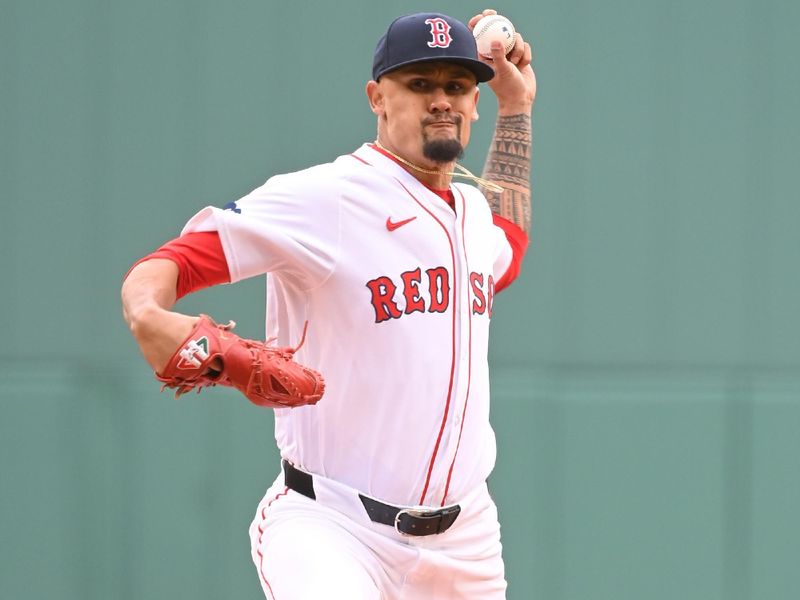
pixel 509 165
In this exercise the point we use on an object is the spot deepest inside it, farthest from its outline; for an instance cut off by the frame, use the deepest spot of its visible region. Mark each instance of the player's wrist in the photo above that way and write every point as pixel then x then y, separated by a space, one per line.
pixel 512 109
pixel 152 324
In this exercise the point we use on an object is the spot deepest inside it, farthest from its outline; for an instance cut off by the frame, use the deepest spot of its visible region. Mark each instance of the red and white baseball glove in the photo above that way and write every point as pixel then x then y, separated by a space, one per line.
pixel 266 375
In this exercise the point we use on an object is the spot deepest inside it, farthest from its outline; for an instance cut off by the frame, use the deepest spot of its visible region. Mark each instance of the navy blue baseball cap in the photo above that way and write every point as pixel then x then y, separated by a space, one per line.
pixel 428 37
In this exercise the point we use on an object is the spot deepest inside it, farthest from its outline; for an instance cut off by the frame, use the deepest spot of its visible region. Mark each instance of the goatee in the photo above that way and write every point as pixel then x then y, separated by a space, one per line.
pixel 442 151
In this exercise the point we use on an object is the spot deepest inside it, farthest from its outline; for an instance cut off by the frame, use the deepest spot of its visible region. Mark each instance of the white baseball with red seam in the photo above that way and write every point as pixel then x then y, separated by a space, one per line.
pixel 491 28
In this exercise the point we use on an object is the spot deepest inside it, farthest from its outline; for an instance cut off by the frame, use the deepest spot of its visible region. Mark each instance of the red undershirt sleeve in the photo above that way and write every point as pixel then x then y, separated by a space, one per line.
pixel 200 259
pixel 518 240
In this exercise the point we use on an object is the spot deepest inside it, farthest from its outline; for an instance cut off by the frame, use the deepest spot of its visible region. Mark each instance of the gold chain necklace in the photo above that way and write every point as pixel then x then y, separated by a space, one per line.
pixel 462 171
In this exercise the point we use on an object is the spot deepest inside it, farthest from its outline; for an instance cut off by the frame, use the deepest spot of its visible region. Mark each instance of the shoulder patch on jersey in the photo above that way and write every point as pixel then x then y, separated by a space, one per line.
pixel 232 206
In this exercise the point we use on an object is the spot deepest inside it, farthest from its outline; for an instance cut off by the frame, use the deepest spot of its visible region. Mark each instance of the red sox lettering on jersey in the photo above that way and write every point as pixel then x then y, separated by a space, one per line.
pixel 440 30
pixel 385 292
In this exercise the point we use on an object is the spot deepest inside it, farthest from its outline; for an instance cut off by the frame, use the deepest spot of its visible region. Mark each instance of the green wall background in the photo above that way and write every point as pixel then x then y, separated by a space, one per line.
pixel 646 366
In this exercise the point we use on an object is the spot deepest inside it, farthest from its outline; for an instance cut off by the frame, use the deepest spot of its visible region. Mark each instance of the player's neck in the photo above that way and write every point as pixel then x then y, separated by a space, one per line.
pixel 439 178
pixel 435 176
pixel 435 182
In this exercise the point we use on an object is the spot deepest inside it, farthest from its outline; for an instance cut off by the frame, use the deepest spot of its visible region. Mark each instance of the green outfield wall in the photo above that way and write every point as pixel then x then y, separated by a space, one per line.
pixel 646 366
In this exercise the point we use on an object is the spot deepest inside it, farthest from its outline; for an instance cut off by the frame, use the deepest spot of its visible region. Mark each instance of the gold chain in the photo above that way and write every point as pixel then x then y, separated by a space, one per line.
pixel 463 171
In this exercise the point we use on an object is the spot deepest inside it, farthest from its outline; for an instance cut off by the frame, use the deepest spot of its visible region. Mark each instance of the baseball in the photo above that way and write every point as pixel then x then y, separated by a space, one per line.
pixel 491 28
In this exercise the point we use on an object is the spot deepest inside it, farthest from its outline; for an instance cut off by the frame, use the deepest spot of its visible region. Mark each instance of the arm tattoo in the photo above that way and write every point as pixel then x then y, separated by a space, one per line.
pixel 509 164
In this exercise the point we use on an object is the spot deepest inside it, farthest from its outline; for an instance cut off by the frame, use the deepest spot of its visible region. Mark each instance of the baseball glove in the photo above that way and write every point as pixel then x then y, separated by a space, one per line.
pixel 266 375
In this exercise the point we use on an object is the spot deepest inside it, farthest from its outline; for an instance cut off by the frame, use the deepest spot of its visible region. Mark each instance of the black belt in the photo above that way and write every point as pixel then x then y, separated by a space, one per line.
pixel 409 521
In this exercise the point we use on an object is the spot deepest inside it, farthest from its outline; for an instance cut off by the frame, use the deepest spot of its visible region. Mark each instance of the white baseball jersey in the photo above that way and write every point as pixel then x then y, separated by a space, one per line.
pixel 397 289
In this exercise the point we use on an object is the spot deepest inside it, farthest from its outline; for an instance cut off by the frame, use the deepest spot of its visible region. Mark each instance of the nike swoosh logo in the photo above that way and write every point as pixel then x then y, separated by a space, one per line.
pixel 392 226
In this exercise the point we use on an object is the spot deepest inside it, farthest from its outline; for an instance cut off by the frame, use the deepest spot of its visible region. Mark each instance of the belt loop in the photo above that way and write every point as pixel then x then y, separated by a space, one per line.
pixel 297 480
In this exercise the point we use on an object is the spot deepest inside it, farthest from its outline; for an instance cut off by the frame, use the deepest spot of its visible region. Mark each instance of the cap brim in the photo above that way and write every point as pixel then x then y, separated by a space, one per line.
pixel 481 70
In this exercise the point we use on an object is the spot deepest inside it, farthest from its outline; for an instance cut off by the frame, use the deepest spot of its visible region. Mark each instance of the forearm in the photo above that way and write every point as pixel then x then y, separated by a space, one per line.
pixel 509 164
pixel 148 294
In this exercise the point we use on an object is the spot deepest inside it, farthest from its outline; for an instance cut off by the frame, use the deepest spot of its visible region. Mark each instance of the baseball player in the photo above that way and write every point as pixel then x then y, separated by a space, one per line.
pixel 381 277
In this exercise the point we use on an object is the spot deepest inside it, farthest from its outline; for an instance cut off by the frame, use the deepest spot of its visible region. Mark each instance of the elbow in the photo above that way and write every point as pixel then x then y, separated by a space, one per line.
pixel 140 320
pixel 147 292
pixel 139 309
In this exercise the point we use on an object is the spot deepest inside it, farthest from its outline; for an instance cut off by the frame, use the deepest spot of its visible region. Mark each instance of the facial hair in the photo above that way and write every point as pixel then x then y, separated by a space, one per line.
pixel 442 150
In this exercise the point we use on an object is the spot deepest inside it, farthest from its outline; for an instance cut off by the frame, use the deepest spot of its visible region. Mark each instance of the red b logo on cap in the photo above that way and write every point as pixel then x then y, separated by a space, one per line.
pixel 440 30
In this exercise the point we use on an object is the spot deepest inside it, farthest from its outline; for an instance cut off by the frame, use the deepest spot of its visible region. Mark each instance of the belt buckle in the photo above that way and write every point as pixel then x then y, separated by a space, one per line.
pixel 425 512
pixel 414 511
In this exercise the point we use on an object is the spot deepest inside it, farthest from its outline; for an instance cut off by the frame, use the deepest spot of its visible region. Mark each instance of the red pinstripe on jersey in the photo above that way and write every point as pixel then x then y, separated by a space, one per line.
pixel 361 159
pixel 454 308
pixel 469 357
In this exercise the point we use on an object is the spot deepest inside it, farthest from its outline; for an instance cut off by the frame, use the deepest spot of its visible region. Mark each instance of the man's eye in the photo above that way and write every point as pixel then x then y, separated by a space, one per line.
pixel 419 84
pixel 455 87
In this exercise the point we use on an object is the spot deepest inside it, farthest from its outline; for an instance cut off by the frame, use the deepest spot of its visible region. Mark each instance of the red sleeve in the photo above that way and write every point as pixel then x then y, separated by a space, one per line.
pixel 518 240
pixel 200 259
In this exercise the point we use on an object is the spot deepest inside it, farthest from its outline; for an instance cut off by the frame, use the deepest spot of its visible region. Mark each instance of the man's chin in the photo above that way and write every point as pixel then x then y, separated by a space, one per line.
pixel 443 150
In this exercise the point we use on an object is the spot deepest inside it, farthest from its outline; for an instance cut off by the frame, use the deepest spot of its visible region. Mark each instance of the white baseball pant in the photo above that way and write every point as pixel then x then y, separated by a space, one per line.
pixel 306 549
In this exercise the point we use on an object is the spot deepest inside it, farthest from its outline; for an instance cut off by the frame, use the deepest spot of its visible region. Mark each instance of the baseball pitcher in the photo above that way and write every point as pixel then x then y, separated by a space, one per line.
pixel 381 275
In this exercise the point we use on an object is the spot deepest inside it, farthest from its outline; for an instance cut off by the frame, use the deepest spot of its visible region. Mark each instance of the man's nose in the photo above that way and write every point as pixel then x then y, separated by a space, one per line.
pixel 439 101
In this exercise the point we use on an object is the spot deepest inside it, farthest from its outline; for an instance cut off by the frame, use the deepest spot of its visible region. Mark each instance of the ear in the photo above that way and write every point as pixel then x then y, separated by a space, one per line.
pixel 376 97
pixel 474 115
